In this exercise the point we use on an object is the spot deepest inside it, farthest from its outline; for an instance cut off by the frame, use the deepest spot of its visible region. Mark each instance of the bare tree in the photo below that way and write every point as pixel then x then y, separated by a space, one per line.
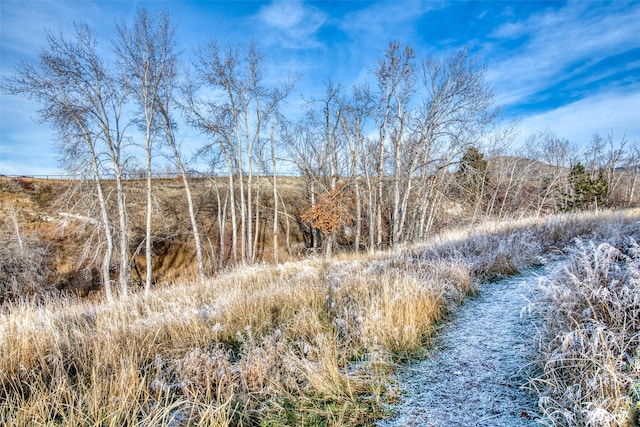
pixel 306 150
pixel 632 165
pixel 396 82
pixel 427 118
pixel 274 175
pixel 81 98
pixel 147 60
pixel 456 113
pixel 236 113
pixel 357 112
pixel 556 155
pixel 168 129
pixel 326 119
pixel 607 157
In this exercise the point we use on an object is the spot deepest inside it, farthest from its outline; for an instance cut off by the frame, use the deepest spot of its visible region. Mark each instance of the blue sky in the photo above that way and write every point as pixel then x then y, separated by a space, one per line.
pixel 570 67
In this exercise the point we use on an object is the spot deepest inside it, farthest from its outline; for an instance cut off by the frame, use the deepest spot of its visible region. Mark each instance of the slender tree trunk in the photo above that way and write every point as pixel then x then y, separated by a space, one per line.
pixel 256 229
pixel 370 205
pixel 123 222
pixel 187 190
pixel 404 208
pixel 380 198
pixel 432 212
pixel 249 205
pixel 371 208
pixel 16 228
pixel 221 218
pixel 234 222
pixel 632 189
pixel 395 219
pixel 124 235
pixel 243 207
pixel 275 199
pixel 356 184
pixel 428 189
pixel 222 223
pixel 358 232
pixel 149 237
pixel 312 195
pixel 398 211
pixel 192 217
pixel 328 245
pixel 287 227
pixel 104 217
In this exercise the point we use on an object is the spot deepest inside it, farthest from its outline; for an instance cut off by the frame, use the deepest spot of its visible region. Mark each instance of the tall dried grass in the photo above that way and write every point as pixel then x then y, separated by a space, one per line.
pixel 589 343
pixel 307 343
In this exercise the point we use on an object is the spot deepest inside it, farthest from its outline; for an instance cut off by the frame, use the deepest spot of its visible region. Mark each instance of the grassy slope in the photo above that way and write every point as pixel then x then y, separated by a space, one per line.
pixel 308 343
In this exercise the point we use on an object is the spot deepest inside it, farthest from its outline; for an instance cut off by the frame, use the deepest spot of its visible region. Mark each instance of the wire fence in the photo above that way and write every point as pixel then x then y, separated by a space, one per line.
pixel 128 177
pixel 40 177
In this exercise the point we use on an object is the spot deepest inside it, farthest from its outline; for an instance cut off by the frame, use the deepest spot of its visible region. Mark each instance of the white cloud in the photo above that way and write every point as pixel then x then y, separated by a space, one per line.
pixel 387 20
pixel 25 23
pixel 557 40
pixel 603 113
pixel 283 15
pixel 291 23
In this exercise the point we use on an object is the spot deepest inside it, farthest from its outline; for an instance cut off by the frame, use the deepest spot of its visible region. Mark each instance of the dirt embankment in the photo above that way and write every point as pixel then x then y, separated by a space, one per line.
pixel 53 223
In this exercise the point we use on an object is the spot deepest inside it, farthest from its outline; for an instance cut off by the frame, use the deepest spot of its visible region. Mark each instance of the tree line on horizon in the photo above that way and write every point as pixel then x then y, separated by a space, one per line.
pixel 381 163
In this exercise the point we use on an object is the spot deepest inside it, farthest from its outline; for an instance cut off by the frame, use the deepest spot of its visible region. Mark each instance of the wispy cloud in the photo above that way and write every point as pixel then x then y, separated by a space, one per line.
pixel 24 27
pixel 367 30
pixel 291 23
pixel 602 113
pixel 387 20
pixel 572 67
pixel 558 44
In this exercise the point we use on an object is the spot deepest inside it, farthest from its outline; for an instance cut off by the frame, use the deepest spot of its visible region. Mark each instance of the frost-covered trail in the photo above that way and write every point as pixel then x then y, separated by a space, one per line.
pixel 474 373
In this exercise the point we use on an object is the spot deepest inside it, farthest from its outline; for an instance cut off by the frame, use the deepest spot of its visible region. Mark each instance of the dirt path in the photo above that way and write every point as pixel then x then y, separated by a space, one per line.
pixel 474 373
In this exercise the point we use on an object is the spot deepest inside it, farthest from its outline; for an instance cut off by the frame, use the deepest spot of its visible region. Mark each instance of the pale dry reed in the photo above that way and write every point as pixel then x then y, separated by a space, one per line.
pixel 589 340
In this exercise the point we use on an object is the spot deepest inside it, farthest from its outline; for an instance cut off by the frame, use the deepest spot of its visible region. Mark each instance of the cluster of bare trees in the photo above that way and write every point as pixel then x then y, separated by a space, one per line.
pixel 94 109
pixel 101 112
pixel 393 147
pixel 84 100
pixel 380 163
pixel 239 114
pixel 551 175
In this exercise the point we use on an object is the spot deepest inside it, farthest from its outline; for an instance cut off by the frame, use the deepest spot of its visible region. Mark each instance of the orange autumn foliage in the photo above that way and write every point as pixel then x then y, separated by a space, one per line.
pixel 329 214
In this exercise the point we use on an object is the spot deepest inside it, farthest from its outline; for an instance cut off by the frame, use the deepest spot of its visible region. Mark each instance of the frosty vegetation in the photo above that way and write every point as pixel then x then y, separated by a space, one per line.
pixel 306 343
pixel 589 354
pixel 388 165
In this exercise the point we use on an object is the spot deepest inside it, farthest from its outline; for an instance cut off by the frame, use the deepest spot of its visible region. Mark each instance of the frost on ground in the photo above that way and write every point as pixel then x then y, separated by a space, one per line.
pixel 475 371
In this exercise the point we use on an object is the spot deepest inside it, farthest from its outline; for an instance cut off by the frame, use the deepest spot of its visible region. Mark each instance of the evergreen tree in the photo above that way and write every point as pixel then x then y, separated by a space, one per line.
pixel 586 191
pixel 472 174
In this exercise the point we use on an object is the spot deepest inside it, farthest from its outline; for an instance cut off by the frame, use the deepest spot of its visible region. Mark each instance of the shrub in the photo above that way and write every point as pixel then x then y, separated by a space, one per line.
pixel 24 270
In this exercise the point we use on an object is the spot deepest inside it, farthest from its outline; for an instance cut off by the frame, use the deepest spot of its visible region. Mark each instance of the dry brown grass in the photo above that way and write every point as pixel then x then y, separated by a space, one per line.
pixel 260 343
pixel 304 343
